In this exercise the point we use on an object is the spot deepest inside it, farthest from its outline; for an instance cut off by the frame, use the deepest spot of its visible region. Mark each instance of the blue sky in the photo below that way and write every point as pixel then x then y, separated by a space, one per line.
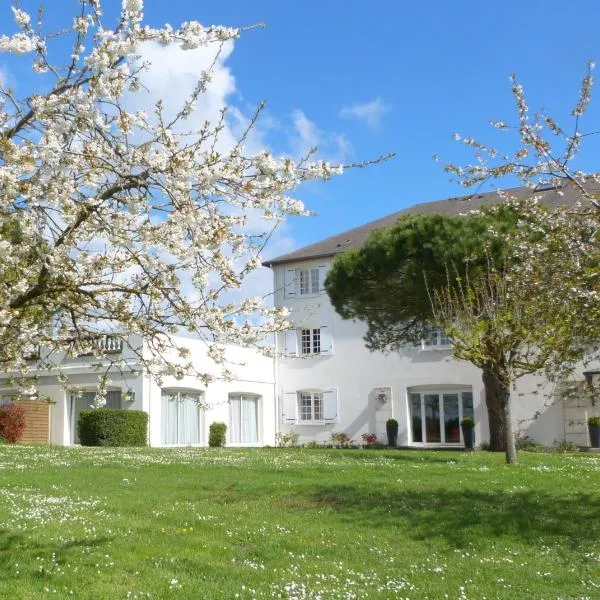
pixel 368 78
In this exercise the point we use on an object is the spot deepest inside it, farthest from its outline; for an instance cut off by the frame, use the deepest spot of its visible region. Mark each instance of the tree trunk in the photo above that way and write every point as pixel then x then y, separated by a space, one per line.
pixel 494 389
pixel 511 447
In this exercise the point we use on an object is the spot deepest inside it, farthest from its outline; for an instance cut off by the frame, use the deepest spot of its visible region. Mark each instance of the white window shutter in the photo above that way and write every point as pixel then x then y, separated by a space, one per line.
pixel 330 405
pixel 322 275
pixel 326 340
pixel 288 407
pixel 291 342
pixel 290 283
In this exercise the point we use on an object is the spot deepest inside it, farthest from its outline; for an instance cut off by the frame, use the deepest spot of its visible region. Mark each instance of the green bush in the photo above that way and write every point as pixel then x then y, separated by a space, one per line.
pixel 594 421
pixel 468 422
pixel 524 442
pixel 216 435
pixel 287 440
pixel 312 444
pixel 113 427
pixel 563 447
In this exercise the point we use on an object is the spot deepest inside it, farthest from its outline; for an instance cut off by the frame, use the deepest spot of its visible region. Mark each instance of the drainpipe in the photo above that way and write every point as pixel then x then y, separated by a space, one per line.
pixel 276 386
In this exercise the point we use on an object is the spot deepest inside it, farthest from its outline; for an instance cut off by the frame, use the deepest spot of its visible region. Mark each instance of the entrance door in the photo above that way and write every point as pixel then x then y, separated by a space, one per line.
pixel 436 416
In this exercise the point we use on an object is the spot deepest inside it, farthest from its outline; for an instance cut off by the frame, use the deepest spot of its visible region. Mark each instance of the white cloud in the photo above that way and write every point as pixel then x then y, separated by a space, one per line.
pixel 172 77
pixel 371 112
pixel 330 146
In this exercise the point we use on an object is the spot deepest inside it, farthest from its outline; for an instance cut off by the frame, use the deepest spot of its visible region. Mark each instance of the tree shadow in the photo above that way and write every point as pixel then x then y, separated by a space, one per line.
pixel 405 455
pixel 462 518
pixel 8 539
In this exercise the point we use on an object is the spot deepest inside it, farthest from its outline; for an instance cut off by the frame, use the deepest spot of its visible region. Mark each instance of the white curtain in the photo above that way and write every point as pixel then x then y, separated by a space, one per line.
pixel 180 422
pixel 243 421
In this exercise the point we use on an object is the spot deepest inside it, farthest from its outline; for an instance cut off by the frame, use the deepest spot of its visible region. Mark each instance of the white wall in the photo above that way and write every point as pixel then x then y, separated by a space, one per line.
pixel 358 373
pixel 253 375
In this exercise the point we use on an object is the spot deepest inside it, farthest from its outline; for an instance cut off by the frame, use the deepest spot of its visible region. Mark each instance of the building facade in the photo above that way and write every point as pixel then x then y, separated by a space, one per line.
pixel 180 409
pixel 322 381
pixel 328 381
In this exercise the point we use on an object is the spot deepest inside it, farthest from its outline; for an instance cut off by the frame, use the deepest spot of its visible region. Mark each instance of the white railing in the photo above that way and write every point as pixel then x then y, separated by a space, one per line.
pixel 101 344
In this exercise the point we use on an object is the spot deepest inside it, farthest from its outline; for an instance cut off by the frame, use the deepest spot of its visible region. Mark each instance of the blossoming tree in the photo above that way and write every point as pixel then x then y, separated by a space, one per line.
pixel 541 313
pixel 116 220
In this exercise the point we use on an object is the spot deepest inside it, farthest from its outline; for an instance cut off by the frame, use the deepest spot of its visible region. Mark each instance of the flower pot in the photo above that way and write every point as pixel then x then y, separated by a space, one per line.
pixel 468 432
pixel 391 430
pixel 594 435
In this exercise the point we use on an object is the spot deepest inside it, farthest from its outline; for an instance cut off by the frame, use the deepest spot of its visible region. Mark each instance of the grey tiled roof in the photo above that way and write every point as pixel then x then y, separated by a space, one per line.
pixel 356 237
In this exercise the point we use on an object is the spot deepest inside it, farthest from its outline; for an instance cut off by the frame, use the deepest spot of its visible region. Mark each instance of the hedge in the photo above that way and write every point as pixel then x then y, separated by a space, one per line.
pixel 113 427
pixel 216 435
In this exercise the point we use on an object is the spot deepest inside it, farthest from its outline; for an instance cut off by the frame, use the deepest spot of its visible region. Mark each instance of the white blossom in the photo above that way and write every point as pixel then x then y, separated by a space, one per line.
pixel 116 220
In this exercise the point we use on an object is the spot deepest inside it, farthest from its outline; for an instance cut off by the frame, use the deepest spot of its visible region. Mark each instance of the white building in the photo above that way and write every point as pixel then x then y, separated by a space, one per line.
pixel 328 381
pixel 323 380
pixel 180 409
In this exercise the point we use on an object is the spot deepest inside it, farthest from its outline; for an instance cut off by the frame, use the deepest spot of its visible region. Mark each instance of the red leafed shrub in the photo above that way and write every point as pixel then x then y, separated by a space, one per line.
pixel 12 422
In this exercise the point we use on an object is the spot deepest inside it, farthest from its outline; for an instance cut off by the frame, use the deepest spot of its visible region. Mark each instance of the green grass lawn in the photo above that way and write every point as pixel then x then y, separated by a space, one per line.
pixel 289 523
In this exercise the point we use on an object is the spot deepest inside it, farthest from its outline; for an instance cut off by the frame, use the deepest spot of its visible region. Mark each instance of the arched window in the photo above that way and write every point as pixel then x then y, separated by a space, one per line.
pixel 243 418
pixel 181 417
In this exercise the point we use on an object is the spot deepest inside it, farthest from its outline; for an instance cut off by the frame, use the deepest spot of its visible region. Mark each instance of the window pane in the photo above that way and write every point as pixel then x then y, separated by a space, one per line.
pixel 432 418
pixel 314 281
pixel 303 275
pixel 467 405
pixel 318 401
pixel 305 406
pixel 431 336
pixel 451 424
pixel 316 341
pixel 416 419
pixel 305 341
pixel 113 399
pixel 234 419
pixel 180 418
pixel 249 422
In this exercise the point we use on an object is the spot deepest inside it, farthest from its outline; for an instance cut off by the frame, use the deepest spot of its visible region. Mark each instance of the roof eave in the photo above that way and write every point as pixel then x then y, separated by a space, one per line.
pixel 283 261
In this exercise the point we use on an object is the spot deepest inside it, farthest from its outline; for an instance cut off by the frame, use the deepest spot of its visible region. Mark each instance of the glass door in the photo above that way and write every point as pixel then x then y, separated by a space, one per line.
pixel 435 416
pixel 432 418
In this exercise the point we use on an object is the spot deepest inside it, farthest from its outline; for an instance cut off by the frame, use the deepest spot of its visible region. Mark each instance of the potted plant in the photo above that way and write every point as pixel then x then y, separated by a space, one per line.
pixel 468 430
pixel 391 428
pixel 594 428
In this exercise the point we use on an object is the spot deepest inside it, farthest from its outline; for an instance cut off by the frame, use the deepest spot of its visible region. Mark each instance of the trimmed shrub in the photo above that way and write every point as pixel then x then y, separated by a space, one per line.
pixel 216 435
pixel 289 439
pixel 113 427
pixel 12 422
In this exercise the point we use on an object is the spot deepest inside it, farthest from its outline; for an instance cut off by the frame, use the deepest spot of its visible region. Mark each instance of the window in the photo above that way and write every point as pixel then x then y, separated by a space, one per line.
pixel 181 417
pixel 436 416
pixel 304 282
pixel 308 281
pixel 435 338
pixel 309 341
pixel 310 406
pixel 243 418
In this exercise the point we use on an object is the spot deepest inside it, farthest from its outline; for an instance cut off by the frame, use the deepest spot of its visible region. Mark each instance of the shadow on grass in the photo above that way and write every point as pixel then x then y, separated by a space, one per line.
pixel 463 518
pixel 410 456
pixel 8 539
